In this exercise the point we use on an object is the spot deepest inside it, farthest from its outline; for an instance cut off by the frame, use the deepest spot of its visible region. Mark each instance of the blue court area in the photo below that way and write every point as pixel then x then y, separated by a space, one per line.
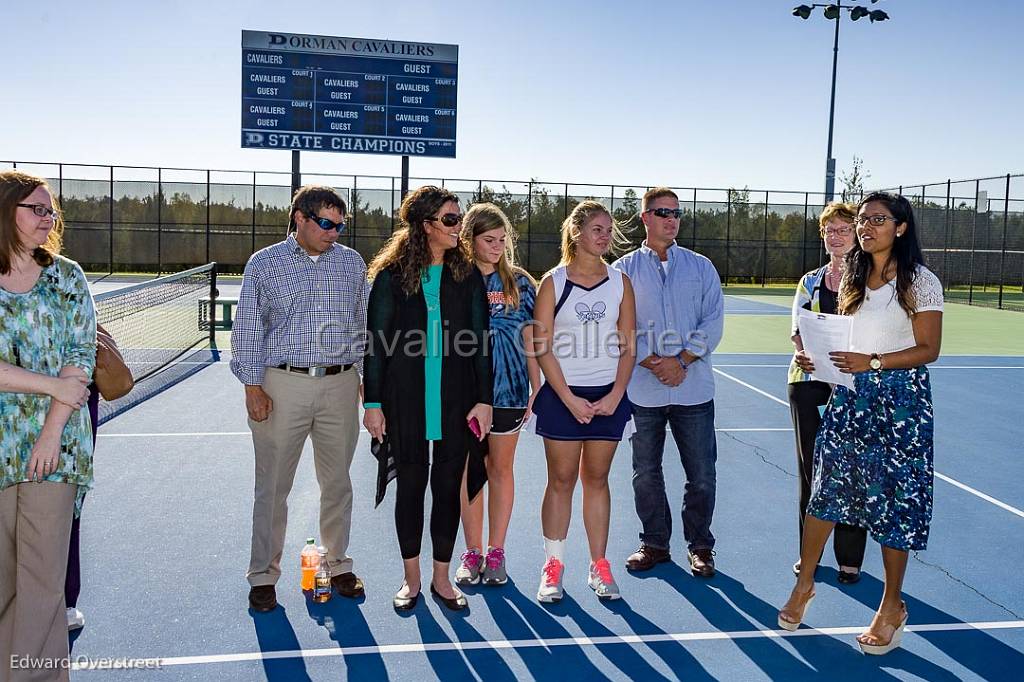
pixel 741 305
pixel 165 544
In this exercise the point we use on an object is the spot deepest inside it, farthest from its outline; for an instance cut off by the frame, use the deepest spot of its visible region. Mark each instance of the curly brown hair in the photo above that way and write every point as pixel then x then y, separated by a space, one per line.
pixel 15 186
pixel 407 252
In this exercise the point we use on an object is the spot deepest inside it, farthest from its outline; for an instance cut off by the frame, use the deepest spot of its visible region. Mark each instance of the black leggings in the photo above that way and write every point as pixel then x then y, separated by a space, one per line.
pixel 804 399
pixel 445 475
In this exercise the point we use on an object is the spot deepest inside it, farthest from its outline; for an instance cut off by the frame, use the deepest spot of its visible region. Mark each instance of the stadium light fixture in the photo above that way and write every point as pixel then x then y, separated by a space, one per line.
pixel 834 12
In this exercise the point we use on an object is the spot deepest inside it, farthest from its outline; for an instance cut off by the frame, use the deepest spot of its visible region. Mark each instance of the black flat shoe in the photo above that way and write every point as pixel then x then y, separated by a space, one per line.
pixel 405 603
pixel 456 604
pixel 848 578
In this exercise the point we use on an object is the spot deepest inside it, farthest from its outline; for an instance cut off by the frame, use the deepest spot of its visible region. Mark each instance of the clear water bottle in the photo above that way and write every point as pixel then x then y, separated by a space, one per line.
pixel 322 579
pixel 310 561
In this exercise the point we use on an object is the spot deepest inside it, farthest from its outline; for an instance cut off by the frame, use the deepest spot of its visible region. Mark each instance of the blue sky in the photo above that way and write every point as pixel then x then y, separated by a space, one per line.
pixel 709 94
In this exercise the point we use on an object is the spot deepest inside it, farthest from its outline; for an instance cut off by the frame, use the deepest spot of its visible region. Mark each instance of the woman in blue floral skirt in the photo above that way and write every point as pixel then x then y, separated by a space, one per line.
pixel 873 453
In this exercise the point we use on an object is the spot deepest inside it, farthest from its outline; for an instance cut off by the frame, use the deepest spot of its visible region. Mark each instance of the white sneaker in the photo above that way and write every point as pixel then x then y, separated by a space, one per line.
pixel 76 619
pixel 601 580
pixel 550 590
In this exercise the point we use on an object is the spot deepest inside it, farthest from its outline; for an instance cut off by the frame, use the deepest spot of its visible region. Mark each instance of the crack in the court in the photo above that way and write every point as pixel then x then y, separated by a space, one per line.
pixel 760 452
pixel 917 557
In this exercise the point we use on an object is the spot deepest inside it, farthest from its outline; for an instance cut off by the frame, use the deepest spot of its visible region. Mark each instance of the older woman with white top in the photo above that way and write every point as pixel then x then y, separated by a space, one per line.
pixel 873 455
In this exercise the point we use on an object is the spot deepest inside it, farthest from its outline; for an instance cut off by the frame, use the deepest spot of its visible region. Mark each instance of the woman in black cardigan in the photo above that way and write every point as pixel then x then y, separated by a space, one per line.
pixel 427 379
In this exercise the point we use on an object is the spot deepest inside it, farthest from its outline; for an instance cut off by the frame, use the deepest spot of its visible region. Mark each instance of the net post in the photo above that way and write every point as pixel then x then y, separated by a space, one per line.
pixel 213 306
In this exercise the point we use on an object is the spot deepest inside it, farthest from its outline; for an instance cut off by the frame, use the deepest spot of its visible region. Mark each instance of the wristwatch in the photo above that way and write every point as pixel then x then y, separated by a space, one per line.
pixel 876 362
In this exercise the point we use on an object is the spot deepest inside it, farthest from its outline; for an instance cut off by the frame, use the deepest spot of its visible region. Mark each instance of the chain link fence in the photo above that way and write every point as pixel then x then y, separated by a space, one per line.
pixel 972 232
pixel 142 219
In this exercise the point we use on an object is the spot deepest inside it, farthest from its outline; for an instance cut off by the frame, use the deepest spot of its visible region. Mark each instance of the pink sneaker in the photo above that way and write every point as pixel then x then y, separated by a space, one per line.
pixel 550 590
pixel 494 567
pixel 468 572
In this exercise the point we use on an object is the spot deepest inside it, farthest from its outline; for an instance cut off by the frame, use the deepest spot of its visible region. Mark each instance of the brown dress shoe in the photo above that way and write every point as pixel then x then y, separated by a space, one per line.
pixel 348 585
pixel 646 557
pixel 702 562
pixel 263 598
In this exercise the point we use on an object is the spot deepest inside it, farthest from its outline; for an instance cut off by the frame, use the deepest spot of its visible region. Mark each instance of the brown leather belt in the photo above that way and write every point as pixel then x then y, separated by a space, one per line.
pixel 317 371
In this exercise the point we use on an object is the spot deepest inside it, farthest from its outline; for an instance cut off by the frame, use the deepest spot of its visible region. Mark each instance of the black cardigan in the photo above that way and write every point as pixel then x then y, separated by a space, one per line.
pixel 393 370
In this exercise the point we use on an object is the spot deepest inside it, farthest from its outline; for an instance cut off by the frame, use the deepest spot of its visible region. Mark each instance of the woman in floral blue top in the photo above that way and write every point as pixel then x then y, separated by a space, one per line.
pixel 47 357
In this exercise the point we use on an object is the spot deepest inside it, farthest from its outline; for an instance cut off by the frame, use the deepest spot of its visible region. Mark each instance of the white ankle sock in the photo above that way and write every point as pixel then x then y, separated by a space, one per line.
pixel 554 548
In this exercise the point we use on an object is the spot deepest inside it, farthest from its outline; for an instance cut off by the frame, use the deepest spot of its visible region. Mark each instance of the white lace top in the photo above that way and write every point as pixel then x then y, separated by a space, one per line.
pixel 882 326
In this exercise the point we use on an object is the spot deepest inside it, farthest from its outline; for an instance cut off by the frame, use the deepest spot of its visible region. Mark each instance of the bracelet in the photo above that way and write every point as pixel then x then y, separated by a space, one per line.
pixel 682 362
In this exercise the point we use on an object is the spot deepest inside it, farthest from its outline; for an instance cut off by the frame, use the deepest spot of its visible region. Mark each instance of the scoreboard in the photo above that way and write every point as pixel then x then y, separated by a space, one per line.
pixel 356 95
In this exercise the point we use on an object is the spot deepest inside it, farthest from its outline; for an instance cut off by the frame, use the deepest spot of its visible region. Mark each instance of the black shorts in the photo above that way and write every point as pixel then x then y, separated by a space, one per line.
pixel 507 420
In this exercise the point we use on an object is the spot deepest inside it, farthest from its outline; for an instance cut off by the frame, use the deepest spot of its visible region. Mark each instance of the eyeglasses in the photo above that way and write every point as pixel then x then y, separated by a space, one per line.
pixel 676 213
pixel 326 223
pixel 844 231
pixel 41 210
pixel 876 220
pixel 448 219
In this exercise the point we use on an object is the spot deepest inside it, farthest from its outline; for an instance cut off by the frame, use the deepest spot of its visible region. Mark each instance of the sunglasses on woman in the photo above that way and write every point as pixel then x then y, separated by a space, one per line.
pixel 42 210
pixel 448 219
pixel 326 223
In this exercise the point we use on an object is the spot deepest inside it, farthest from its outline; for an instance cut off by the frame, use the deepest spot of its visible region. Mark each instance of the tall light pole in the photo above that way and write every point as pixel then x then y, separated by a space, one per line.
pixel 833 12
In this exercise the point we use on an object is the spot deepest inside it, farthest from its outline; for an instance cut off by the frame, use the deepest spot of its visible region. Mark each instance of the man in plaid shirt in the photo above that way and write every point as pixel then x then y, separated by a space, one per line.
pixel 297 344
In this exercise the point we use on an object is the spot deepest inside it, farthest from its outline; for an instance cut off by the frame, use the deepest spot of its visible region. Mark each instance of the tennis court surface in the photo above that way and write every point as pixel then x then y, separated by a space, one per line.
pixel 165 544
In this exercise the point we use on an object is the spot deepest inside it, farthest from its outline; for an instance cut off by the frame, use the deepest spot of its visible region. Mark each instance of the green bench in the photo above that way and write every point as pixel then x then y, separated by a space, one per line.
pixel 227 311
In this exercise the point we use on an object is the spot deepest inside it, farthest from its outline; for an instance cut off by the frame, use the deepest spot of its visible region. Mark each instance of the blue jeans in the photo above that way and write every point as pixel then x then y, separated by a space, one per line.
pixel 693 428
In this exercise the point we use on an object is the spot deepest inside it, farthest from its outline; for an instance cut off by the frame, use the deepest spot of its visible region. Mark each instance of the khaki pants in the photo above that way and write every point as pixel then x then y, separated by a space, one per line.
pixel 325 409
pixel 35 526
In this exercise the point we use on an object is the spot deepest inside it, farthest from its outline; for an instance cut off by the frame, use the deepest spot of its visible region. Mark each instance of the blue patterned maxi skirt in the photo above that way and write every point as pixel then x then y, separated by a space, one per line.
pixel 873 457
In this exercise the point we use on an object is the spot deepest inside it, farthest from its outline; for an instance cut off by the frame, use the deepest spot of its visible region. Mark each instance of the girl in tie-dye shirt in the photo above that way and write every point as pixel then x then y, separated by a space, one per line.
pixel 510 296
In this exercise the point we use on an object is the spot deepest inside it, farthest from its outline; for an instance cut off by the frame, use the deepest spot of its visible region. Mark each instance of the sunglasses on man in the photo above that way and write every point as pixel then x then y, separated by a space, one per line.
pixel 448 219
pixel 326 223
pixel 676 213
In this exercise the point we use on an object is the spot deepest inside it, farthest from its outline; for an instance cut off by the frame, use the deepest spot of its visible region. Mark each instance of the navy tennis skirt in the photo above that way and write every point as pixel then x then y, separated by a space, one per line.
pixel 555 421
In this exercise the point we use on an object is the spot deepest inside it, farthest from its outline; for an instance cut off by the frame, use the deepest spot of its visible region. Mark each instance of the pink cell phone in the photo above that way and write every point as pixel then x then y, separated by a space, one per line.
pixel 474 426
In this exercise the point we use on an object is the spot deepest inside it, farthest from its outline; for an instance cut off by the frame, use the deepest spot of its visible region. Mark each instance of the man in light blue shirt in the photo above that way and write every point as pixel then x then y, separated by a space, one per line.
pixel 679 317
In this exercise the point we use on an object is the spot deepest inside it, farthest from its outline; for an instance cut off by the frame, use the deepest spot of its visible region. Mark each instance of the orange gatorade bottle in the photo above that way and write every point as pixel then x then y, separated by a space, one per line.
pixel 310 562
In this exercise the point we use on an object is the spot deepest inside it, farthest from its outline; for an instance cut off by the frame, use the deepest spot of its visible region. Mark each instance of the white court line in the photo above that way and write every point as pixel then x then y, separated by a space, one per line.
pixel 194 434
pixel 947 479
pixel 987 498
pixel 930 367
pixel 504 644
pixel 200 434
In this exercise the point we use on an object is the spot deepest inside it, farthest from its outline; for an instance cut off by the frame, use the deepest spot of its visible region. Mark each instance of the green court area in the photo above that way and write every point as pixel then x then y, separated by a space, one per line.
pixel 966 330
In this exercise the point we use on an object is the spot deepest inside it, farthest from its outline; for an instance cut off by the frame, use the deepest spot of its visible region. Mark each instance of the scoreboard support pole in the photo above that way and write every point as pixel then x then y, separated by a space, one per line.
pixel 405 176
pixel 296 183
pixel 296 172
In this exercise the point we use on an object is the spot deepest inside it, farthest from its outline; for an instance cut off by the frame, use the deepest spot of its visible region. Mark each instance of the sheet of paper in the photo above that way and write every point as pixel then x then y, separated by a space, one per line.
pixel 822 334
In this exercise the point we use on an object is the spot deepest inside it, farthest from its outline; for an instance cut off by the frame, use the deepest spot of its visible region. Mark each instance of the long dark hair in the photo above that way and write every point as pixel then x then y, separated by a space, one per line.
pixel 906 253
pixel 408 252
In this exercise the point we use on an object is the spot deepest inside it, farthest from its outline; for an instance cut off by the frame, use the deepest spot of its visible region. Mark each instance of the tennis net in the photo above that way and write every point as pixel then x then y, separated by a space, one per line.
pixel 156 324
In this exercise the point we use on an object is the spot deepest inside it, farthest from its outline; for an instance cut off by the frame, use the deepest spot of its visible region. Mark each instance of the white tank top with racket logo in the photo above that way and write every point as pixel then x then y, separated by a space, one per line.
pixel 585 340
